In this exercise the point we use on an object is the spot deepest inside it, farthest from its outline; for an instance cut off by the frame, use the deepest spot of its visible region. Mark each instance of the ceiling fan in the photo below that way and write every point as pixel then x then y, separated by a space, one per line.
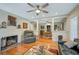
pixel 38 8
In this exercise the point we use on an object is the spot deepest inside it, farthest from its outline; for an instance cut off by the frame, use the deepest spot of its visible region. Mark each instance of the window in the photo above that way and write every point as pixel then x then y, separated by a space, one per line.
pixel 73 28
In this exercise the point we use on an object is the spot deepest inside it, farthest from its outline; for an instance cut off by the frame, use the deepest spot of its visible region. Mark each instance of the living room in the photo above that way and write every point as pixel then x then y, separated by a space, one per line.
pixel 21 30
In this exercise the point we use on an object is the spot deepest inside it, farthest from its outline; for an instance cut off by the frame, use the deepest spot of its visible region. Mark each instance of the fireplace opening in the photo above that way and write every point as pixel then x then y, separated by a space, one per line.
pixel 8 41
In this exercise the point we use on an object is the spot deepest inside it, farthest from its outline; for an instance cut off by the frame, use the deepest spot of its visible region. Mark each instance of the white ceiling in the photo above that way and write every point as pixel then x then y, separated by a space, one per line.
pixel 53 8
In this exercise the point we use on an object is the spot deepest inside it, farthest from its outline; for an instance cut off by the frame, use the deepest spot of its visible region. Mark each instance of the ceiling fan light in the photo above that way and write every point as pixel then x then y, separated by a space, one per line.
pixel 37 11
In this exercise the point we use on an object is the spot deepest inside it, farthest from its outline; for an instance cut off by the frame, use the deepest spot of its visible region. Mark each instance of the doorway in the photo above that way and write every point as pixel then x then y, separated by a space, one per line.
pixel 48 28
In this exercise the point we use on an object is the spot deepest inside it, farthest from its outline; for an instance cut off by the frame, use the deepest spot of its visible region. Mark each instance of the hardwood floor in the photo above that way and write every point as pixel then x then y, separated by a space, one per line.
pixel 20 49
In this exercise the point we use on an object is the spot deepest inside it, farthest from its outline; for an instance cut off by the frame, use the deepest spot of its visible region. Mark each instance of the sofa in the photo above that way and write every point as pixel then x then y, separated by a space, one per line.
pixel 29 37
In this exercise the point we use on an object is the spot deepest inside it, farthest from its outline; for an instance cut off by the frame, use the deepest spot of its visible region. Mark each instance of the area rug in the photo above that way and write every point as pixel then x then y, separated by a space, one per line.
pixel 42 49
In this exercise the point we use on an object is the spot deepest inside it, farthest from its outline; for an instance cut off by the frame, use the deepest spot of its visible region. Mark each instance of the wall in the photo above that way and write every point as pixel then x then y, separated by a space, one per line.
pixel 73 13
pixel 19 20
pixel 13 30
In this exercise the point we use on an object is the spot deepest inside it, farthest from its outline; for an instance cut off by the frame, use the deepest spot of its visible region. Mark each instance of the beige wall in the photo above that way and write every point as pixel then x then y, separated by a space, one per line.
pixel 73 13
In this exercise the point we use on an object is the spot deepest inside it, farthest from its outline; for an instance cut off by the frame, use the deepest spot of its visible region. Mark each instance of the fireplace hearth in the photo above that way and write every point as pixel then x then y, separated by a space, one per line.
pixel 8 41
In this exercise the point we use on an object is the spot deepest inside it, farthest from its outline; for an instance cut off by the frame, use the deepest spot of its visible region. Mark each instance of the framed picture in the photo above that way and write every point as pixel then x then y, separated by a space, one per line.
pixel 11 20
pixel 25 25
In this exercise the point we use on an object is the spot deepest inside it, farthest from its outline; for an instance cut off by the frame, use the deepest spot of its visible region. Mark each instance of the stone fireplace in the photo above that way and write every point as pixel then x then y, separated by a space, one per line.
pixel 8 41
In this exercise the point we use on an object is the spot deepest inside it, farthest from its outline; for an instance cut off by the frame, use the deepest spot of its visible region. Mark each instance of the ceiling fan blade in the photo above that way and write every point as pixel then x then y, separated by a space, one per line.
pixel 30 10
pixel 44 11
pixel 45 5
pixel 30 5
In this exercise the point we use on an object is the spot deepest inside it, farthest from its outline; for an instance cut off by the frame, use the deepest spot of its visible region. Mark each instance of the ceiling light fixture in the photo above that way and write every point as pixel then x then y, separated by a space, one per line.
pixel 37 11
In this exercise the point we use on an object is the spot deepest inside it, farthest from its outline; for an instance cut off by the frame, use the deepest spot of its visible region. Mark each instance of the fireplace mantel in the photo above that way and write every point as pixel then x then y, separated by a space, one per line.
pixel 11 32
